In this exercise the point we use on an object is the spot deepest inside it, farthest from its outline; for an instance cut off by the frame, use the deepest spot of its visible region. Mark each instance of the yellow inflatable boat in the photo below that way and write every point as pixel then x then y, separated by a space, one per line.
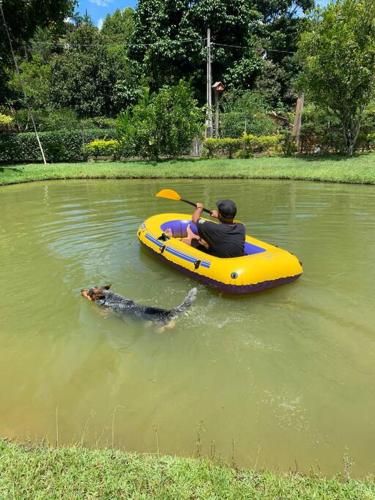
pixel 263 265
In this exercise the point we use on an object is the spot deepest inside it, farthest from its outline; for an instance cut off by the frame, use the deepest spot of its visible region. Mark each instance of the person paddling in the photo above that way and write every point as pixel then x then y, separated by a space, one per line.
pixel 226 239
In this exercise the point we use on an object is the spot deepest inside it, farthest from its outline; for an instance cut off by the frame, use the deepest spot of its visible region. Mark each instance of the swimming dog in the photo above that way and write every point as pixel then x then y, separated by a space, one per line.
pixel 102 296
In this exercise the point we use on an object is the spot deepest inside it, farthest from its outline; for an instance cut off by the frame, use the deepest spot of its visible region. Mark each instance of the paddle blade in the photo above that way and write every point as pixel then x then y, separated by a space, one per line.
pixel 169 194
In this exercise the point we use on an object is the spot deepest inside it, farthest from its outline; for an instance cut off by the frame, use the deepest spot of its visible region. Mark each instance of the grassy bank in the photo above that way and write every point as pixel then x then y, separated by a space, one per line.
pixel 82 473
pixel 358 170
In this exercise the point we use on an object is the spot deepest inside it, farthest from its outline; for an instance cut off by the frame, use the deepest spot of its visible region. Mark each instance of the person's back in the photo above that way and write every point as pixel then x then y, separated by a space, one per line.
pixel 224 239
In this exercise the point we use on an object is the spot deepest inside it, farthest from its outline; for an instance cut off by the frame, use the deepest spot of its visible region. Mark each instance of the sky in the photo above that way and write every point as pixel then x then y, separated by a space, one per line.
pixel 98 9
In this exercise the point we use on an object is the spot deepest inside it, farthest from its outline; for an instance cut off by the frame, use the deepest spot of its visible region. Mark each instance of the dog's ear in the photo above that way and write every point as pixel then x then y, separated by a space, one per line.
pixel 107 287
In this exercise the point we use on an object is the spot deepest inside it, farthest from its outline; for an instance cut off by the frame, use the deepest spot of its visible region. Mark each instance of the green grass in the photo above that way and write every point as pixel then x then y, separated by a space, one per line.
pixel 82 473
pixel 357 170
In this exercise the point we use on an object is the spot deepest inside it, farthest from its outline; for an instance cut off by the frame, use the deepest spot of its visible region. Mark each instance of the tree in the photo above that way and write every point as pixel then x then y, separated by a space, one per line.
pixel 245 112
pixel 90 77
pixel 119 26
pixel 162 124
pixel 169 39
pixel 33 83
pixel 23 18
pixel 338 56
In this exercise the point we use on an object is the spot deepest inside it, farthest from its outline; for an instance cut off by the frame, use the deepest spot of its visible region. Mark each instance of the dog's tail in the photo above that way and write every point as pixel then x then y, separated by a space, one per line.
pixel 189 299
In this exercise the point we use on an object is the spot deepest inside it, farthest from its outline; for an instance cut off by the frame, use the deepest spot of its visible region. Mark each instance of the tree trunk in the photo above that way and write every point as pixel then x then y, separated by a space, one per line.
pixel 351 130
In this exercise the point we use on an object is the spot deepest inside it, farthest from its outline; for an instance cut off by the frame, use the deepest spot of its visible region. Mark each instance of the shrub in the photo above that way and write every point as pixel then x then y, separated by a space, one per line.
pixel 62 145
pixel 227 146
pixel 102 147
pixel 252 144
pixel 245 112
pixel 162 124
pixel 5 121
pixel 244 147
pixel 288 143
pixel 47 120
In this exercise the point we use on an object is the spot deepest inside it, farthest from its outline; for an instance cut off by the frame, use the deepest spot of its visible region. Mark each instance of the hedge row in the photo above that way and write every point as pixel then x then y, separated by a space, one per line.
pixel 59 146
pixel 243 147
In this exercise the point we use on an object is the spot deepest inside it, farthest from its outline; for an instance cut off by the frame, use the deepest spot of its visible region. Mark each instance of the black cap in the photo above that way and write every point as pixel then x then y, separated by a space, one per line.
pixel 227 208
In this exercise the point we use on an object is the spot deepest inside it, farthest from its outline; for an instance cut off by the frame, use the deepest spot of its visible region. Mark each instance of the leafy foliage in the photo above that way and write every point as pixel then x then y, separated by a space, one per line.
pixel 162 124
pixel 119 26
pixel 244 147
pixel 90 79
pixel 102 147
pixel 5 121
pixel 338 53
pixel 245 112
pixel 23 18
pixel 168 39
pixel 63 145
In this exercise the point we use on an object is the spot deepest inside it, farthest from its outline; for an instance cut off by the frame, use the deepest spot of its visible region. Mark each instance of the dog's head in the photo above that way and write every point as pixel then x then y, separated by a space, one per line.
pixel 95 293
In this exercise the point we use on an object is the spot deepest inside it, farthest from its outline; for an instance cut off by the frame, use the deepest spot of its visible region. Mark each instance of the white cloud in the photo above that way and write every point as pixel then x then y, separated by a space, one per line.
pixel 100 23
pixel 101 3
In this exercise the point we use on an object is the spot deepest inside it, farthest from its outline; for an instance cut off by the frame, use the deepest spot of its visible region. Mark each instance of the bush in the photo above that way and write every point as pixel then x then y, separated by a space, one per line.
pixel 47 120
pixel 162 124
pixel 244 147
pixel 252 144
pixel 288 143
pixel 371 140
pixel 62 145
pixel 5 121
pixel 102 147
pixel 227 146
pixel 245 112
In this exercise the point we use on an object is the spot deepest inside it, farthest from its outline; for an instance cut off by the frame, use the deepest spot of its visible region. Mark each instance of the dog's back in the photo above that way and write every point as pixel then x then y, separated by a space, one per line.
pixel 124 306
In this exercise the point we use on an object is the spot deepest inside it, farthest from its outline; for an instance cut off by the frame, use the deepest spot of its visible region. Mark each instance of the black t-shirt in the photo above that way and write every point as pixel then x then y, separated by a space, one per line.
pixel 225 240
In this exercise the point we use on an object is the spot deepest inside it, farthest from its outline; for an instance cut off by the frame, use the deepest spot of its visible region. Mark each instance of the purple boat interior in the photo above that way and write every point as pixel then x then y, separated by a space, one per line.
pixel 179 230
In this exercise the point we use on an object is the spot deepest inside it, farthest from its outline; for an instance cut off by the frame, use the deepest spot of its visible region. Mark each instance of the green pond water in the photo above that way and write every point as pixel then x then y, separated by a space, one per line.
pixel 281 380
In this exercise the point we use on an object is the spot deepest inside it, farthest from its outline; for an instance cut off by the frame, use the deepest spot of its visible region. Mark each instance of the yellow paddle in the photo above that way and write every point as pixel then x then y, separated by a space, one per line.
pixel 169 194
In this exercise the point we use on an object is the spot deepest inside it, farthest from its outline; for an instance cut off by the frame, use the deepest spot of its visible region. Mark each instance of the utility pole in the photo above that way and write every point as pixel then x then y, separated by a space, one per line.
pixel 209 88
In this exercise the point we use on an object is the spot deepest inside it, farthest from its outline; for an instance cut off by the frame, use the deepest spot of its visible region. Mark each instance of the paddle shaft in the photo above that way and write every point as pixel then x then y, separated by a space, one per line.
pixel 195 205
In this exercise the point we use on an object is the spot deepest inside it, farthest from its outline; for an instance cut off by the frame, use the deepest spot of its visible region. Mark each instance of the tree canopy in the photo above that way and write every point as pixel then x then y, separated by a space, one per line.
pixel 338 54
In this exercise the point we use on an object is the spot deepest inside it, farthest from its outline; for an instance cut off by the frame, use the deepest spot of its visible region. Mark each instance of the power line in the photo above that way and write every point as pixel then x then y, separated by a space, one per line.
pixel 246 47
pixel 67 45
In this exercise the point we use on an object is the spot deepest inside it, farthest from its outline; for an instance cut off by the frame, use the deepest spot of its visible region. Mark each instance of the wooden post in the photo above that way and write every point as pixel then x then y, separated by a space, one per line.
pixel 216 114
pixel 298 120
pixel 218 89
pixel 209 89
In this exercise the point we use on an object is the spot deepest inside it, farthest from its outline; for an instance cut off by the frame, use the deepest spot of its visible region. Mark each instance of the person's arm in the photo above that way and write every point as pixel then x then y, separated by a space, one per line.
pixel 197 213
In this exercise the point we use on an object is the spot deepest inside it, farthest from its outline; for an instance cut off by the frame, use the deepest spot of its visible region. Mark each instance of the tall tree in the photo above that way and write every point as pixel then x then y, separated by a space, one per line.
pixel 23 18
pixel 119 26
pixel 338 55
pixel 92 78
pixel 169 38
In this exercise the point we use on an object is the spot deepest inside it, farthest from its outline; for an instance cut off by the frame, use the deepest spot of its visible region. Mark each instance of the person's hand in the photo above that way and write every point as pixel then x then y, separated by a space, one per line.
pixel 200 206
pixel 215 213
